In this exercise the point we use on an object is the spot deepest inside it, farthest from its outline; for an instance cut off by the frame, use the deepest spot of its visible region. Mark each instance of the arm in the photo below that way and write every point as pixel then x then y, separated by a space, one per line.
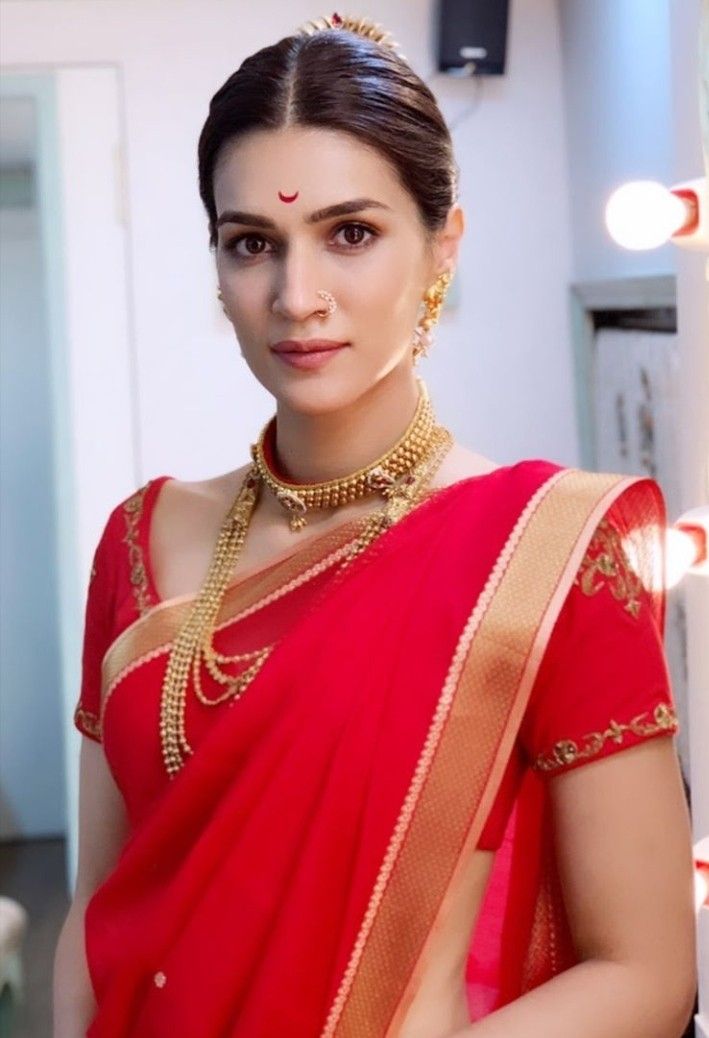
pixel 103 829
pixel 624 853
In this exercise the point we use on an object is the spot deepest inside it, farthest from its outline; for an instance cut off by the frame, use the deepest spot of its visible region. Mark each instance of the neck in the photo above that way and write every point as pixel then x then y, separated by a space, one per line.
pixel 316 448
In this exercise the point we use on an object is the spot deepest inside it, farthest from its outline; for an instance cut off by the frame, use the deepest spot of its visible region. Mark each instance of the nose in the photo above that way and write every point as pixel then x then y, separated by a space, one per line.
pixel 296 288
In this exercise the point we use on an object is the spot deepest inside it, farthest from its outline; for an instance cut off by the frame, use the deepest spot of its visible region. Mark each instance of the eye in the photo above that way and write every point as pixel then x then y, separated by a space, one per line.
pixel 248 239
pixel 358 229
pixel 253 243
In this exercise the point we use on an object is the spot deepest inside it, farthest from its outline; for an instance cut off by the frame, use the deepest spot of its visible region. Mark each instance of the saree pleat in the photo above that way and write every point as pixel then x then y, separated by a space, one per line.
pixel 253 899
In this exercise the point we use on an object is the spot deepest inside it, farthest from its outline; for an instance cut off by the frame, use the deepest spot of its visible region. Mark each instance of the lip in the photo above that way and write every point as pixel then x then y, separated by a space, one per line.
pixel 306 345
pixel 307 353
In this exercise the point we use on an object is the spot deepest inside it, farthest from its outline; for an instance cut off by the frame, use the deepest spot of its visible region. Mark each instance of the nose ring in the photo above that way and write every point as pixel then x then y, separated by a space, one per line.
pixel 331 304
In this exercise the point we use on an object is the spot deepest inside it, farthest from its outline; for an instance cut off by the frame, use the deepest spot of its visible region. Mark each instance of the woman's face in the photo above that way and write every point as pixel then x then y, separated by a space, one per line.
pixel 274 252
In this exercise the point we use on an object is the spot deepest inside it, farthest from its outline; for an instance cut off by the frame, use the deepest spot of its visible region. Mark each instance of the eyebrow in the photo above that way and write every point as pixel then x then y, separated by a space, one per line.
pixel 355 205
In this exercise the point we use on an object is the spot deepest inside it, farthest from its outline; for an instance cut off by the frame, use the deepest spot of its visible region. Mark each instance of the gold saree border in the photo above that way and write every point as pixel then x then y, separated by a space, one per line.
pixel 152 635
pixel 486 690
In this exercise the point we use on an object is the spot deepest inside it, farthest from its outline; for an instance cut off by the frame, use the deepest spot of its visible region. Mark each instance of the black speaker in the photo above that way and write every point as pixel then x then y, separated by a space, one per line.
pixel 472 37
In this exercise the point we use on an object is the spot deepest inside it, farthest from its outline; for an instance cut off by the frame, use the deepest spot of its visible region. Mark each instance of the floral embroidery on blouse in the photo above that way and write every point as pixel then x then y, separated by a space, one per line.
pixel 566 751
pixel 605 564
pixel 133 509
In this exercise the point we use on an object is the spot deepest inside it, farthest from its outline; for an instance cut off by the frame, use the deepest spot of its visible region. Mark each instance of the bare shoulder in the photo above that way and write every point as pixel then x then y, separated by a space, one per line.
pixel 178 494
pixel 460 463
pixel 184 525
pixel 187 517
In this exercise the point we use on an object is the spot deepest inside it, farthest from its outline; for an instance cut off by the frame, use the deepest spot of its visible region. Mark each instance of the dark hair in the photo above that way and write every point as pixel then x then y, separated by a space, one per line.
pixel 337 80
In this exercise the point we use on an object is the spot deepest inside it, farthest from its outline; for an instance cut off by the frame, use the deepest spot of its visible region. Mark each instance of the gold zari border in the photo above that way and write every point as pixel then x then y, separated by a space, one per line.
pixel 567 752
pixel 153 633
pixel 464 755
pixel 132 511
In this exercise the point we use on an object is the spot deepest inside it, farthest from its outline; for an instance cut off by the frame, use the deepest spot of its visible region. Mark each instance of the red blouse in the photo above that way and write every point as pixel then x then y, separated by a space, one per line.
pixel 603 684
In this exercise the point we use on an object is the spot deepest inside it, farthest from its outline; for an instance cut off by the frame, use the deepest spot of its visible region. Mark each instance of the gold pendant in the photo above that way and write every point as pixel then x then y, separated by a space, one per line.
pixel 295 506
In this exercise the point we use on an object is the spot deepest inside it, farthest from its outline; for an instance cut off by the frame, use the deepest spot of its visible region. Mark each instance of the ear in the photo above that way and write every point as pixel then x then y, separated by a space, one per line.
pixel 447 240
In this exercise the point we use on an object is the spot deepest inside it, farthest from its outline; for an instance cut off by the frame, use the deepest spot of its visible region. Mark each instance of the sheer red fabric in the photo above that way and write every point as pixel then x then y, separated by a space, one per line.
pixel 249 873
pixel 578 692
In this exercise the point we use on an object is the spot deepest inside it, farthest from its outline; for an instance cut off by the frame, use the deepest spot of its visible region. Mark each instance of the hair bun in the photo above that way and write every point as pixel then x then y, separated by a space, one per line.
pixel 360 26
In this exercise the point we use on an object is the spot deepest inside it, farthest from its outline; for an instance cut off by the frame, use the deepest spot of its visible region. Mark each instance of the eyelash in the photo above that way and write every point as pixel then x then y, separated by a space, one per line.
pixel 230 246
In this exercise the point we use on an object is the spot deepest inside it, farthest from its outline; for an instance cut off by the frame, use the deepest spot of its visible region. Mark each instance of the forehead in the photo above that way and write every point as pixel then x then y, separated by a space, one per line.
pixel 323 166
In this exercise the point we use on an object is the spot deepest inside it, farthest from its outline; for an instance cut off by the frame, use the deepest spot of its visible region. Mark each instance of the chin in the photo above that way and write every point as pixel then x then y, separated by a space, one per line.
pixel 320 395
pixel 323 392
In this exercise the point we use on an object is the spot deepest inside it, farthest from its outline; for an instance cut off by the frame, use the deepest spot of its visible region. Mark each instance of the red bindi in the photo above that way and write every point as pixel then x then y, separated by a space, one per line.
pixel 287 198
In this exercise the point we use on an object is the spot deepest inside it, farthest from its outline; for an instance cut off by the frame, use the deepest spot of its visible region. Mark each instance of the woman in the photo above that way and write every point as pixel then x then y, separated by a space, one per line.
pixel 397 765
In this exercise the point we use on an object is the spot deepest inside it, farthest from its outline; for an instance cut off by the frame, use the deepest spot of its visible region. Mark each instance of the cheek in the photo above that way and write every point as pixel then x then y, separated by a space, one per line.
pixel 395 301
pixel 245 295
pixel 388 286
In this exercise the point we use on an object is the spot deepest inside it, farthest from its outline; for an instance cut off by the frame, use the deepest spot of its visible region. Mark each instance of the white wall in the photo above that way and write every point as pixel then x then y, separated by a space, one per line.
pixel 691 159
pixel 198 407
pixel 617 96
pixel 502 372
pixel 32 802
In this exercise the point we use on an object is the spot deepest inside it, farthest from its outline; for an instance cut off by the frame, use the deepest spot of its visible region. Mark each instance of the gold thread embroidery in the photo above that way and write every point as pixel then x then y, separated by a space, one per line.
pixel 566 751
pixel 133 509
pixel 605 564
pixel 88 722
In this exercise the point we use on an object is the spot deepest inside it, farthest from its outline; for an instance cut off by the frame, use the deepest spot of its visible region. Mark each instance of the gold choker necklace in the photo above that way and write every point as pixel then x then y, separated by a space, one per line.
pixel 193 647
pixel 381 476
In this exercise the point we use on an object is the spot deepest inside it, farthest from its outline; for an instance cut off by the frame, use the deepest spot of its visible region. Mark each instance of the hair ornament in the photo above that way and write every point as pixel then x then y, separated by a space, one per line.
pixel 360 26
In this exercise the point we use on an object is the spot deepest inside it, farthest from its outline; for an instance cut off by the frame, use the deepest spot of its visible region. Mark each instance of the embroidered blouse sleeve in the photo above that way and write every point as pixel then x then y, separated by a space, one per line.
pixel 98 628
pixel 120 590
pixel 603 684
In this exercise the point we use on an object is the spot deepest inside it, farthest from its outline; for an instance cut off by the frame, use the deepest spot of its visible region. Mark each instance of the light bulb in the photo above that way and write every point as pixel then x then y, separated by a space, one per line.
pixel 701 874
pixel 684 549
pixel 681 554
pixel 643 214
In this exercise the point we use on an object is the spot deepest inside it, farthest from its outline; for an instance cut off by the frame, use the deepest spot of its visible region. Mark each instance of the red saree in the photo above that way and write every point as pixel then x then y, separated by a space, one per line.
pixel 287 880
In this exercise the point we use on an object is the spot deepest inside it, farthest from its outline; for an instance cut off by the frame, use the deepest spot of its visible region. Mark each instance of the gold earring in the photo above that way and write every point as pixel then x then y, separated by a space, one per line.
pixel 220 297
pixel 433 300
